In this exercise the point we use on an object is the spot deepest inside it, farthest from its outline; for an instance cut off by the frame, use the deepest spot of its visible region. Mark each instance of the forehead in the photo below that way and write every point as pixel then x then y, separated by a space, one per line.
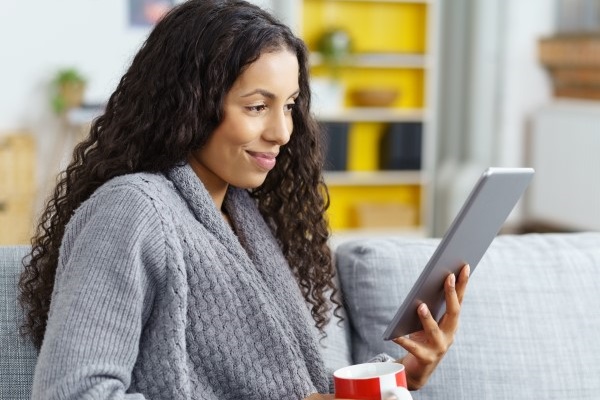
pixel 275 68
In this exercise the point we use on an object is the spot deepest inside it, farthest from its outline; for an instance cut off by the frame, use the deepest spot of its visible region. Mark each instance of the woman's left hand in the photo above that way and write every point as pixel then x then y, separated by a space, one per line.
pixel 426 348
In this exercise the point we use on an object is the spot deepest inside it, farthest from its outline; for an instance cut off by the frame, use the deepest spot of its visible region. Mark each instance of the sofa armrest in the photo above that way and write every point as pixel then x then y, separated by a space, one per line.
pixel 18 356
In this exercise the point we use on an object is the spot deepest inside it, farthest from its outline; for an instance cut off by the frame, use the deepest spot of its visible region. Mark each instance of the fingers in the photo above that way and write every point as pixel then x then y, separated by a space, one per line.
pixel 427 344
pixel 449 321
pixel 454 293
pixel 439 337
pixel 463 279
pixel 430 325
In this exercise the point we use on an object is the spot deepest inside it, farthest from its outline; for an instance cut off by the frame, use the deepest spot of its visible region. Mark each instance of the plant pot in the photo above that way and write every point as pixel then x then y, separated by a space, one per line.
pixel 327 95
pixel 72 94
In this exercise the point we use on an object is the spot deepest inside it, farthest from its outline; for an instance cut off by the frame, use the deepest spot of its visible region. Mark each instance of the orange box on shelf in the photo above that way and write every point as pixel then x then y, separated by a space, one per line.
pixel 385 215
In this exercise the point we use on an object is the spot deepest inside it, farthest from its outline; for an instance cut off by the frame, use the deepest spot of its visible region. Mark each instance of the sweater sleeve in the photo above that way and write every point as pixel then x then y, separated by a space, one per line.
pixel 110 267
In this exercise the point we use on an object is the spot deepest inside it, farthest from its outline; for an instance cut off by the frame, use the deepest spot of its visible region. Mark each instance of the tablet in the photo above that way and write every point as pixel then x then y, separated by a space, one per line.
pixel 466 240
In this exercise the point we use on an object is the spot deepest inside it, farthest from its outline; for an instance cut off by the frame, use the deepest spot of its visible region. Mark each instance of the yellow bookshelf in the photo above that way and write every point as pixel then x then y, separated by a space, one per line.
pixel 390 48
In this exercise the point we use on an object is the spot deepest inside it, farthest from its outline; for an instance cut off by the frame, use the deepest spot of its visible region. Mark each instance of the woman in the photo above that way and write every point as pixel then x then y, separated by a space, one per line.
pixel 185 239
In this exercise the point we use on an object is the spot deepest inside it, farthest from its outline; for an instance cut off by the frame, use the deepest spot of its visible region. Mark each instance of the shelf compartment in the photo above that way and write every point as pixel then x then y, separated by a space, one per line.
pixel 369 24
pixel 409 83
pixel 347 201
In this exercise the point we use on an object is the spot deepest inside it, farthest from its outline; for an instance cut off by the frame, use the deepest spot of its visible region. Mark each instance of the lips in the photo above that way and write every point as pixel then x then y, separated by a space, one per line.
pixel 265 160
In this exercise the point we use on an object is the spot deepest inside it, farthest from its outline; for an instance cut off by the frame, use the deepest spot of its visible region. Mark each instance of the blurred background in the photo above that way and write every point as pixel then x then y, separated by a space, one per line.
pixel 417 99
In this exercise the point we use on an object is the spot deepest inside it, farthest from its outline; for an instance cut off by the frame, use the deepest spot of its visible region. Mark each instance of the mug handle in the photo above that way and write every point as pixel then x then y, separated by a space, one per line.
pixel 400 393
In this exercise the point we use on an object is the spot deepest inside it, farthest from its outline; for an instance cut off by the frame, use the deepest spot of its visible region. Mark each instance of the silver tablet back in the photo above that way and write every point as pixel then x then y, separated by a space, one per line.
pixel 466 241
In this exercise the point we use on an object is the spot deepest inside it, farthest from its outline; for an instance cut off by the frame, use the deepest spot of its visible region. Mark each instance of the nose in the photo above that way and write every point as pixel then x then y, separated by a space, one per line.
pixel 280 128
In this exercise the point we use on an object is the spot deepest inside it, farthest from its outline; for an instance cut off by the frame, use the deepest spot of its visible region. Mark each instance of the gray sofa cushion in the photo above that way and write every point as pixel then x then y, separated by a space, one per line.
pixel 335 345
pixel 529 325
pixel 17 360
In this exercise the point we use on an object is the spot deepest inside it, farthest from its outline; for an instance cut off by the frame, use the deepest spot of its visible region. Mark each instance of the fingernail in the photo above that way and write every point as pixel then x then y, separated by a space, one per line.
pixel 423 309
pixel 392 398
pixel 468 267
pixel 452 280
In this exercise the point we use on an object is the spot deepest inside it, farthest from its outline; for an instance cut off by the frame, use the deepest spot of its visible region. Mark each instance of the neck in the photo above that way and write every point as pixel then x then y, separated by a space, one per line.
pixel 216 187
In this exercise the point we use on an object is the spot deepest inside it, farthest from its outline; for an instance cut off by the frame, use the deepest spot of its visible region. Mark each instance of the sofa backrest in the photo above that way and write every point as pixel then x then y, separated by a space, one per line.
pixel 18 356
pixel 529 322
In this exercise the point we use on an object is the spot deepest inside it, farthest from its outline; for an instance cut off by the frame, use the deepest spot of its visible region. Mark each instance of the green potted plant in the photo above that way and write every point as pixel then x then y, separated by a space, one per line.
pixel 68 87
pixel 334 46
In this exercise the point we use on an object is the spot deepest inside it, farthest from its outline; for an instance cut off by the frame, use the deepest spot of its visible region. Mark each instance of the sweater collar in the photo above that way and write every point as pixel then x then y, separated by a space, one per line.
pixel 256 247
pixel 251 231
pixel 202 205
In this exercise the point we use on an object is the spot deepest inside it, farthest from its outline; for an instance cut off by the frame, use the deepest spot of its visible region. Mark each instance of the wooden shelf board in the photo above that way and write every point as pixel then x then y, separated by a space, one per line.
pixel 378 60
pixel 382 1
pixel 372 114
pixel 374 178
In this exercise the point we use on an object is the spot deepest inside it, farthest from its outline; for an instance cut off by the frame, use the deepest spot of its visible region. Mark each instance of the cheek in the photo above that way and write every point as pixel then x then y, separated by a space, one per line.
pixel 243 131
pixel 290 124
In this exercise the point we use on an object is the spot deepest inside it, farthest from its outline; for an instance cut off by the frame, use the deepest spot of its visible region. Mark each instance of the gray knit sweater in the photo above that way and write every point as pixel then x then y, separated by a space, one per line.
pixel 156 297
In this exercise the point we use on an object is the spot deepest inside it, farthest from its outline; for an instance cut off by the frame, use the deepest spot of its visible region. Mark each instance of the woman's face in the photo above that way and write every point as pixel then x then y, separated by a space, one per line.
pixel 257 121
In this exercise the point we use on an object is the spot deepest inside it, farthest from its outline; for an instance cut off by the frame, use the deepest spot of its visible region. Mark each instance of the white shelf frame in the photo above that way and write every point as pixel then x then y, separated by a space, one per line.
pixel 372 114
pixel 381 1
pixel 377 60
pixel 375 178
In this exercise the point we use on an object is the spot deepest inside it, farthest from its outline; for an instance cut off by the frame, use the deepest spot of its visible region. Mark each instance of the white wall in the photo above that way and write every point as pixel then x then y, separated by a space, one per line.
pixel 491 83
pixel 526 85
pixel 38 37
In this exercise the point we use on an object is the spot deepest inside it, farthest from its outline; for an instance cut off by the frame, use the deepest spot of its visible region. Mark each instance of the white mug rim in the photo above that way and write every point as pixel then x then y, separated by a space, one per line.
pixel 349 372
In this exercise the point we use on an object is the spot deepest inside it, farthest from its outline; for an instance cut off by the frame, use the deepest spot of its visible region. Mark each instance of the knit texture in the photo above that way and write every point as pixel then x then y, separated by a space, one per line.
pixel 156 297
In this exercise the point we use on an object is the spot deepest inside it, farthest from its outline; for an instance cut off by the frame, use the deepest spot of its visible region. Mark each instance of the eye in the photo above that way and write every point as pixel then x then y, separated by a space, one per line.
pixel 257 108
pixel 288 108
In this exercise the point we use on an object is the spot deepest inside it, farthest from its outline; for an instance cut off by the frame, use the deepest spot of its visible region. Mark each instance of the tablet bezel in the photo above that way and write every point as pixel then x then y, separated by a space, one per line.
pixel 467 239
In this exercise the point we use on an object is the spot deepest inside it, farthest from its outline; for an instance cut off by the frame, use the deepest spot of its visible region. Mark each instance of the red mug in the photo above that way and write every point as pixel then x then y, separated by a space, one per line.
pixel 371 381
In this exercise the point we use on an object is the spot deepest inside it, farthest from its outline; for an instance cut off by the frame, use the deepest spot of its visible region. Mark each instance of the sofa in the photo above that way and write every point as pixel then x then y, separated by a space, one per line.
pixel 529 323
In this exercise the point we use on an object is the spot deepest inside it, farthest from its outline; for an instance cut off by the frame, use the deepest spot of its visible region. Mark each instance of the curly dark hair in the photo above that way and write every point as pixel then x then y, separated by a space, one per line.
pixel 166 105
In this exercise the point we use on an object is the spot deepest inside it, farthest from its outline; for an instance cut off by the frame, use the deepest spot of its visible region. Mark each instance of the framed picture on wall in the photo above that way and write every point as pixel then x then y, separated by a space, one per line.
pixel 145 13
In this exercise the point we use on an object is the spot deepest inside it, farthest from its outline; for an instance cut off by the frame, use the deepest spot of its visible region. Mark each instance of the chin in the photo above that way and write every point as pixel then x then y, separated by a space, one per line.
pixel 250 183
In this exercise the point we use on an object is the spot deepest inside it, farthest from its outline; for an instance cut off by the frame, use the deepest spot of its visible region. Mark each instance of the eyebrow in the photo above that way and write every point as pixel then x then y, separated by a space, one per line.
pixel 266 93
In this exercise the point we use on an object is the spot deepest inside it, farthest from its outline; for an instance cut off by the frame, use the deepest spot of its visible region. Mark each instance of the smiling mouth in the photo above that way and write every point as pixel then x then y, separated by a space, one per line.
pixel 265 161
